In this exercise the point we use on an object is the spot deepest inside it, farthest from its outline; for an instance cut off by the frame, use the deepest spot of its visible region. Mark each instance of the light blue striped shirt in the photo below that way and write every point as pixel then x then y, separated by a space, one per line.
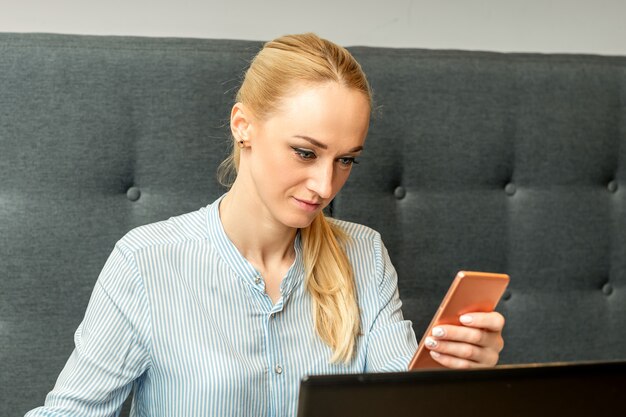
pixel 179 316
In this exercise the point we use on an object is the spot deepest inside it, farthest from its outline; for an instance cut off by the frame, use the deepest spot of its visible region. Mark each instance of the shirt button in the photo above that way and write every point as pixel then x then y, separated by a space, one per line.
pixel 257 279
pixel 278 369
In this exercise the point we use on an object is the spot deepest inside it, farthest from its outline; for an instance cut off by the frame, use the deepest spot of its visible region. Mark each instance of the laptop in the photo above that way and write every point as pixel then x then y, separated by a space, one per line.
pixel 589 389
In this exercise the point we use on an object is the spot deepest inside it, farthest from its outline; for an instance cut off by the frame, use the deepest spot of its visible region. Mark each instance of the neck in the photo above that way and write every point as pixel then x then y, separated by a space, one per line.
pixel 258 237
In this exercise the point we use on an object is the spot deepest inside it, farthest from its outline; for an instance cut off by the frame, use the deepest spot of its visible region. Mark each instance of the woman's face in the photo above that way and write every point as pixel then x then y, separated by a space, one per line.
pixel 300 157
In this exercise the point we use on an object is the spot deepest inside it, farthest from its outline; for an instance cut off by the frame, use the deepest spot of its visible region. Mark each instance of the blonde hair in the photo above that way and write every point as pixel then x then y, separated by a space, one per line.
pixel 283 65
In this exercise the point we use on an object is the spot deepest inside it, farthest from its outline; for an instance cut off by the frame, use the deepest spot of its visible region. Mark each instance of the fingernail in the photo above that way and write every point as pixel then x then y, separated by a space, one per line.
pixel 435 354
pixel 438 332
pixel 466 319
pixel 430 342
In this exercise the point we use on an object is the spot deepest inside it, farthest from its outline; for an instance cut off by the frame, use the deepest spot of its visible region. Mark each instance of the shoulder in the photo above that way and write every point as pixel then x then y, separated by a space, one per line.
pixel 356 231
pixel 374 275
pixel 175 230
pixel 362 243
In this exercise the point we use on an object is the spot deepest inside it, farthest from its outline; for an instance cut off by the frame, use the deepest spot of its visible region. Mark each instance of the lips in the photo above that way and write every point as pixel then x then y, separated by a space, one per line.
pixel 307 205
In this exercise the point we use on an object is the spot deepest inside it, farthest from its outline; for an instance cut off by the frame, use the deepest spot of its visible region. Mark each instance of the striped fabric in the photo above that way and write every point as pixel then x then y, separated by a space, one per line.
pixel 182 319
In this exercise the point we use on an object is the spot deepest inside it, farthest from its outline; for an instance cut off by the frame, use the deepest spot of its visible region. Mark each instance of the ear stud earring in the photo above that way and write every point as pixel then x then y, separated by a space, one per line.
pixel 241 144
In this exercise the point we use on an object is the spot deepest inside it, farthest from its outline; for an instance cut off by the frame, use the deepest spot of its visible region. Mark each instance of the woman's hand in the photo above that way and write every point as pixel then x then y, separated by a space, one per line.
pixel 477 343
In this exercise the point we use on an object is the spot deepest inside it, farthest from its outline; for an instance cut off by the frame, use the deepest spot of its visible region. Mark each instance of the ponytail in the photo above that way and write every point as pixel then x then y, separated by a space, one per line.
pixel 330 281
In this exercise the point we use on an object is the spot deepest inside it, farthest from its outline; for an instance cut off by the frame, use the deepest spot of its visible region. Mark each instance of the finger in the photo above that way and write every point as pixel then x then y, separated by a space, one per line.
pixel 466 352
pixel 478 337
pixel 493 321
pixel 454 362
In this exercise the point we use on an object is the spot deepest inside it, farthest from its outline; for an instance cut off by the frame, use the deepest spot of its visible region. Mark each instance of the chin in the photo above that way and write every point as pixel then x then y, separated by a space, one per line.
pixel 300 225
pixel 299 222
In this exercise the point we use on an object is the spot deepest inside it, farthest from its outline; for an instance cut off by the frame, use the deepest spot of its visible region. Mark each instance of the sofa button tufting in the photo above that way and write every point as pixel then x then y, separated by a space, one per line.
pixel 399 192
pixel 507 295
pixel 510 188
pixel 607 289
pixel 612 186
pixel 133 193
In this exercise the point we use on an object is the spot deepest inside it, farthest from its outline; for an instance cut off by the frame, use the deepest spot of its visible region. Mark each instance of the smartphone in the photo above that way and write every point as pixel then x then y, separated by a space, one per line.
pixel 470 292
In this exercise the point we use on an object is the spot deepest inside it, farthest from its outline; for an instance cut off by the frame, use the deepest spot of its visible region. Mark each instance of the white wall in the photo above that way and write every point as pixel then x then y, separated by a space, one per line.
pixel 588 26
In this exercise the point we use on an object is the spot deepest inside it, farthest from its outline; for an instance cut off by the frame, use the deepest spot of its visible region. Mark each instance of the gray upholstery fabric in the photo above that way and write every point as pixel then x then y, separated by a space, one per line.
pixel 505 162
pixel 483 161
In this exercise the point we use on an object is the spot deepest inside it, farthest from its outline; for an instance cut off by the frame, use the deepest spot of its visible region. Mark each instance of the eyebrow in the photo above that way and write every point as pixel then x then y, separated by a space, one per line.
pixel 323 146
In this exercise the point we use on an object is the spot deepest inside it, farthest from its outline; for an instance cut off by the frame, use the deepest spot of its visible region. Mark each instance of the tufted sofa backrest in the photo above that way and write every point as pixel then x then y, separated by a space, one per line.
pixel 479 161
pixel 503 162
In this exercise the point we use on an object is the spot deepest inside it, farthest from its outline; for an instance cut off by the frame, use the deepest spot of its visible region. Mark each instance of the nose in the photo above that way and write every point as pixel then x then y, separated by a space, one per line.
pixel 321 180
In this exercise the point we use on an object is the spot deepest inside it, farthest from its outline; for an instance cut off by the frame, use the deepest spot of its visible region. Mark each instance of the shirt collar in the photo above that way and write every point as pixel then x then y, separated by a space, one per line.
pixel 240 265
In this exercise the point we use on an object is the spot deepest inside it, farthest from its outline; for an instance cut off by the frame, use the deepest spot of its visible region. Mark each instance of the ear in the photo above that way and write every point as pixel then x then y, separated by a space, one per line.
pixel 240 122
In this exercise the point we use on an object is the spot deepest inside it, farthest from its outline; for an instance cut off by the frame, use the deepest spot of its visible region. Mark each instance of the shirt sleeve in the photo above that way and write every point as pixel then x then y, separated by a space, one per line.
pixel 391 340
pixel 111 346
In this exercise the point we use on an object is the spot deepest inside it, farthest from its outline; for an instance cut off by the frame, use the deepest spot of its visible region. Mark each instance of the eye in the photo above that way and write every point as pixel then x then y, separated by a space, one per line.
pixel 305 154
pixel 347 161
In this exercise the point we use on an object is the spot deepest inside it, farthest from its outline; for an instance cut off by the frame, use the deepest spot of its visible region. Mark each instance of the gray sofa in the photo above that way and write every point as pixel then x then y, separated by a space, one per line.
pixel 478 161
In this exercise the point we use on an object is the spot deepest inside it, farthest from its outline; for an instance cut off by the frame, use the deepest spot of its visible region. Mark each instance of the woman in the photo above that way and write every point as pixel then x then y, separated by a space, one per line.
pixel 223 310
